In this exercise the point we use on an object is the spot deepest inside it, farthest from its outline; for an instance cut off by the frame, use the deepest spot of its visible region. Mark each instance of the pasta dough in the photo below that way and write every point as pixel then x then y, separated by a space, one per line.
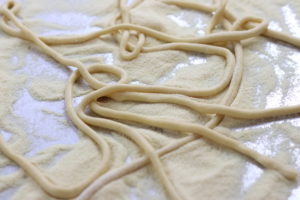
pixel 240 29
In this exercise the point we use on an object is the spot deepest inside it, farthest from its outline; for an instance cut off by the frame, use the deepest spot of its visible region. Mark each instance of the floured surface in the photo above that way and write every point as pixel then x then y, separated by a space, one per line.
pixel 36 125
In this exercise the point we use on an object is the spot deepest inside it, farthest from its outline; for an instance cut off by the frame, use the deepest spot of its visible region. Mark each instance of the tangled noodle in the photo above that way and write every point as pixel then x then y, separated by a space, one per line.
pixel 235 30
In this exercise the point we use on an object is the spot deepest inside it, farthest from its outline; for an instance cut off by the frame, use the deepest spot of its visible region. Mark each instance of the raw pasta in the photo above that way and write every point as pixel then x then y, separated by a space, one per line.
pixel 215 43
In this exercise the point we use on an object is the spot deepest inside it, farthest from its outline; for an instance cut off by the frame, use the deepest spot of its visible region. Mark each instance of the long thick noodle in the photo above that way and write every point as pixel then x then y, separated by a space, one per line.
pixel 213 43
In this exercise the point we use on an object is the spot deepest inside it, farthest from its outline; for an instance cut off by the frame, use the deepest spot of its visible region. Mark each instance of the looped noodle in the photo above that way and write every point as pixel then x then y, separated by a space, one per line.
pixel 235 30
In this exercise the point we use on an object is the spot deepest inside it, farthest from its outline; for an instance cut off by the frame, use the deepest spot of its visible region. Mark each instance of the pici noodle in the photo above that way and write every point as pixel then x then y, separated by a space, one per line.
pixel 213 43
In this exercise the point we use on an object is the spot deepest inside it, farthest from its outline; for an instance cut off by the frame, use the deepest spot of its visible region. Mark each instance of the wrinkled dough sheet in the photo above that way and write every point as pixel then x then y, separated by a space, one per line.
pixel 33 120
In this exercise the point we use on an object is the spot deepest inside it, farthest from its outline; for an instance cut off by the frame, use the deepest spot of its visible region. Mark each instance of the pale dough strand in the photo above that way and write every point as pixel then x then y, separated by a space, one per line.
pixel 158 89
pixel 208 108
pixel 164 37
pixel 84 71
pixel 48 184
pixel 124 130
pixel 124 42
pixel 216 17
pixel 110 176
pixel 115 174
pixel 231 17
pixel 139 163
pixel 175 126
pixel 164 180
pixel 172 193
pixel 212 38
pixel 126 34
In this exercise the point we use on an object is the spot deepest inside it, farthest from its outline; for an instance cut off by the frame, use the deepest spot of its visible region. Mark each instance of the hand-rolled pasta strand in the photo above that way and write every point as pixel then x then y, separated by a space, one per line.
pixel 207 108
pixel 212 38
pixel 135 51
pixel 217 16
pixel 130 133
pixel 159 89
pixel 48 184
pixel 124 42
pixel 176 126
pixel 126 34
pixel 208 39
pixel 31 36
pixel 192 5
pixel 129 168
pixel 139 163
pixel 231 17
pixel 235 33
pixel 208 8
